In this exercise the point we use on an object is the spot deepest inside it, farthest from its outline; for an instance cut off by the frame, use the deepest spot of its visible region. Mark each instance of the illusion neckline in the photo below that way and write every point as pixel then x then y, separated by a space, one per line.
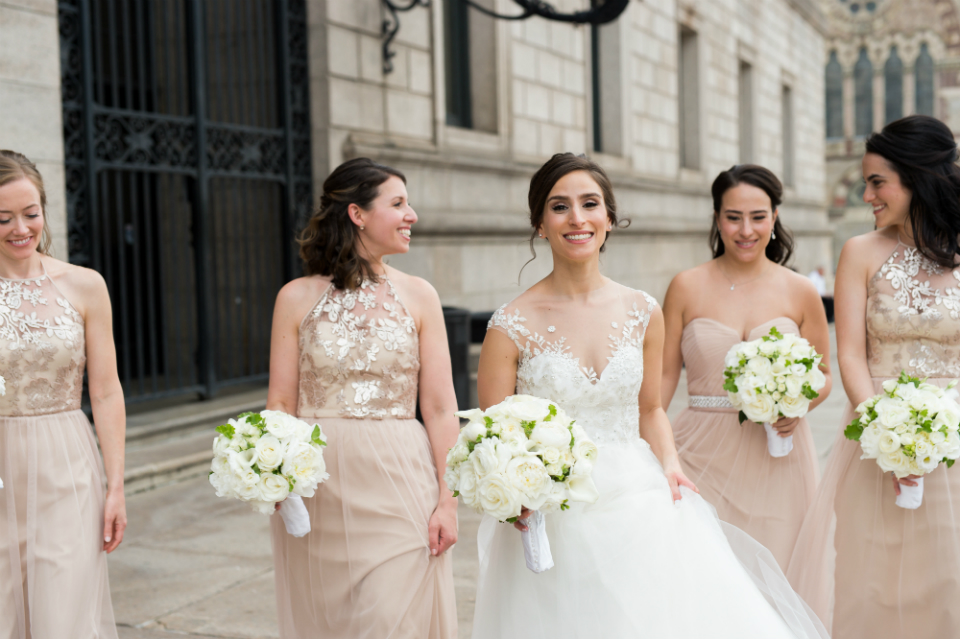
pixel 738 333
pixel 28 279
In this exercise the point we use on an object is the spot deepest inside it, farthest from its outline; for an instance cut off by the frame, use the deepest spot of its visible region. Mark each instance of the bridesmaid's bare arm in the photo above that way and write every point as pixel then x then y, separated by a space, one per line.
pixel 106 396
pixel 294 301
pixel 673 307
pixel 850 295
pixel 438 405
pixel 497 373
pixel 815 329
pixel 654 425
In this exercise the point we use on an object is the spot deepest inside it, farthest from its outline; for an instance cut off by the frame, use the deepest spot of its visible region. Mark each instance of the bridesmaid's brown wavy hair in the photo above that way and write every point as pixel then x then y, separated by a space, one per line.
pixel 780 248
pixel 15 166
pixel 328 244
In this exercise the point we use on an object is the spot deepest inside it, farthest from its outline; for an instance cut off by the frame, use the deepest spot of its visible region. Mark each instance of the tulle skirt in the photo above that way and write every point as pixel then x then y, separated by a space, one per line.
pixel 635 565
pixel 766 497
pixel 53 571
pixel 875 569
pixel 365 569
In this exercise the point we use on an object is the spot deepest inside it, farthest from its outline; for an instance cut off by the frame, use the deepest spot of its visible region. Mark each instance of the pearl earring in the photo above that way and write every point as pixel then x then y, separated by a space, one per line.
pixel 363 228
pixel 773 235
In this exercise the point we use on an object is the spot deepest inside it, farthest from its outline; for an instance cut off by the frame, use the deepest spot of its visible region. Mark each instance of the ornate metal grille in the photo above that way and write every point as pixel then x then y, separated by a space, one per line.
pixel 187 142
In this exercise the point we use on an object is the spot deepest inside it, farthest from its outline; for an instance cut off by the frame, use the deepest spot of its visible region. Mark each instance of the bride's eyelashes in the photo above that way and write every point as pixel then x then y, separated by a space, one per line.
pixel 560 207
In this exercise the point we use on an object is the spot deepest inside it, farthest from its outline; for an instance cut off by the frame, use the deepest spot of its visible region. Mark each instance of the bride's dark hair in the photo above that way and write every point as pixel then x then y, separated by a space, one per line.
pixel 923 153
pixel 550 173
pixel 328 244
pixel 779 248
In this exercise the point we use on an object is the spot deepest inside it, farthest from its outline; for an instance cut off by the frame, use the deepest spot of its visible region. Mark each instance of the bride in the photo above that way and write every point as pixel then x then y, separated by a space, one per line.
pixel 649 558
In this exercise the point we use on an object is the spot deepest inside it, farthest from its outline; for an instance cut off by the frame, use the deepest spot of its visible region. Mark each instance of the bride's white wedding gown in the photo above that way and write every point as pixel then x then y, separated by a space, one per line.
pixel 634 564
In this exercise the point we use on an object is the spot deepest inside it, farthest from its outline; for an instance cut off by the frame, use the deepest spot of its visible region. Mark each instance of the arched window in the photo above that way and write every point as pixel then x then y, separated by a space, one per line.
pixel 834 84
pixel 893 83
pixel 863 94
pixel 923 69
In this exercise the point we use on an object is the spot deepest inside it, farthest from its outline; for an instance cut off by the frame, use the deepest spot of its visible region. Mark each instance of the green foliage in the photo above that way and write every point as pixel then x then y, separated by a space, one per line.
pixel 488 421
pixel 854 430
pixel 730 384
pixel 808 391
pixel 553 413
pixel 564 505
pixel 774 335
pixel 742 416
pixel 948 462
pixel 456 493
pixel 472 444
pixel 511 520
pixel 315 436
pixel 226 430
pixel 528 427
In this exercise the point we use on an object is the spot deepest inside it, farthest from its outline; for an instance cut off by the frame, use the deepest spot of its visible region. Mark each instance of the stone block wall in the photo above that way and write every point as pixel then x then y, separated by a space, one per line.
pixel 469 187
pixel 30 107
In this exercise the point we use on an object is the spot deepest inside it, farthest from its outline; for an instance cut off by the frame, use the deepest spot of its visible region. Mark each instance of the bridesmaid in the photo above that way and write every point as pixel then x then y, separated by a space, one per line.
pixel 740 295
pixel 56 524
pixel 887 571
pixel 356 344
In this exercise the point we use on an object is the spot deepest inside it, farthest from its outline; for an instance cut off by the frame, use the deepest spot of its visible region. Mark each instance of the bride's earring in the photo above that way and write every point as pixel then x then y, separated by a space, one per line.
pixel 773 235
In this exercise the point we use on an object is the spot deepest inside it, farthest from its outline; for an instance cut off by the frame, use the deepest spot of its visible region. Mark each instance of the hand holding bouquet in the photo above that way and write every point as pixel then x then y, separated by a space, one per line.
pixel 910 428
pixel 268 457
pixel 523 452
pixel 772 377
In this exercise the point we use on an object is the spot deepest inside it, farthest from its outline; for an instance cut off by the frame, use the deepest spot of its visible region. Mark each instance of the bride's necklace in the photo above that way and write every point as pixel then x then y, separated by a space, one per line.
pixel 733 285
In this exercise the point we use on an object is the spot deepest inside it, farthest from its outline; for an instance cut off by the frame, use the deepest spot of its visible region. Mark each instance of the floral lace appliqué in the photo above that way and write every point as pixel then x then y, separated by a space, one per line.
pixel 360 349
pixel 916 297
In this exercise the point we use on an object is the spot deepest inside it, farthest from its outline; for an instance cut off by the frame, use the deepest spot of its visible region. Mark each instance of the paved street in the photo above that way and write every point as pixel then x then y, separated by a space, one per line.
pixel 196 565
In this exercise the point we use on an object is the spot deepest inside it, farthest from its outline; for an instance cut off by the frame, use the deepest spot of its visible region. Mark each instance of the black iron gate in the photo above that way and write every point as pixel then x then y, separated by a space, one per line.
pixel 187 142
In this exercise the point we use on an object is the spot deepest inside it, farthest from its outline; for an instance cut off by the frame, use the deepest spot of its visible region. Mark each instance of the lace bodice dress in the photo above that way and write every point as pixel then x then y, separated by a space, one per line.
pixel 365 570
pixel 53 573
pixel 888 571
pixel 632 565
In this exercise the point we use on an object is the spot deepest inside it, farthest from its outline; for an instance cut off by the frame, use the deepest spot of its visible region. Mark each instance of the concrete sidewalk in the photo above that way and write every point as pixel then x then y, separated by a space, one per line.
pixel 196 565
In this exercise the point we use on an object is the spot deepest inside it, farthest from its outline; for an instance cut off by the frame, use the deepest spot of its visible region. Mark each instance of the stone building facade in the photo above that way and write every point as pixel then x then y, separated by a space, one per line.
pixel 685 89
pixel 885 59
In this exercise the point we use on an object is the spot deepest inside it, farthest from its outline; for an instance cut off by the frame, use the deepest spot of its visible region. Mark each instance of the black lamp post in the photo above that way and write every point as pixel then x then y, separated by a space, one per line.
pixel 598 13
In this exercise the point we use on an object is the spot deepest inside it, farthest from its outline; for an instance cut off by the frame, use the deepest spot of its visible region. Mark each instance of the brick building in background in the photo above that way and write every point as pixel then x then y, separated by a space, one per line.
pixel 178 139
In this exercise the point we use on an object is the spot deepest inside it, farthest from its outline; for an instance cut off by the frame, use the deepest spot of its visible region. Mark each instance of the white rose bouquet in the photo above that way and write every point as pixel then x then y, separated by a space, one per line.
pixel 268 457
pixel 523 452
pixel 910 428
pixel 771 377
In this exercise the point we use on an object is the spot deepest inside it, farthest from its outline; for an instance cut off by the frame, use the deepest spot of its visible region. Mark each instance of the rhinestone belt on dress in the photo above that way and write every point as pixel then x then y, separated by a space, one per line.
pixel 709 401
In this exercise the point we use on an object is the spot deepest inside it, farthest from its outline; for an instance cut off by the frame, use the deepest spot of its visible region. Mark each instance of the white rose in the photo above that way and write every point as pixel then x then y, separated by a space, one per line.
pixel 269 453
pixel 893 462
pixel 768 348
pixel 907 438
pixel 498 498
pixel 926 458
pixel 759 366
pixel 468 485
pixel 305 465
pixel 793 406
pixel 797 370
pixel 273 487
pixel 528 475
pixel 550 434
pixel 889 385
pixel 550 456
pixel 278 424
pixel 760 408
pixel 907 391
pixel 554 498
pixel 892 412
pixel 244 428
pixel 248 493
pixel 241 462
pixel 870 442
pixel 925 400
pixel 948 416
pixel 749 350
pixel 472 430
pixel 735 399
pixel 221 445
pixel 474 415
pixel 815 378
pixel 585 450
pixel 512 430
pixel 794 386
pixel 484 457
pixel 779 367
pixel 451 477
pixel 889 442
pixel 732 358
pixel 457 454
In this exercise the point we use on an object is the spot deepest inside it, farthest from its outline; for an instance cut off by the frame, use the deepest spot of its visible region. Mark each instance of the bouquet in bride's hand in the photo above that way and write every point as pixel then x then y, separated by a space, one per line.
pixel 910 429
pixel 523 452
pixel 270 457
pixel 772 377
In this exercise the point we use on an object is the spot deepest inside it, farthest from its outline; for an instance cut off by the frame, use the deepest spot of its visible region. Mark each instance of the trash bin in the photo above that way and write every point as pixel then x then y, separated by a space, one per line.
pixel 457 321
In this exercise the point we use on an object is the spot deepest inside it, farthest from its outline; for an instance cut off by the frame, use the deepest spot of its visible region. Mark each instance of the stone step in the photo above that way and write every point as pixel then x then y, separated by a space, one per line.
pixel 175 443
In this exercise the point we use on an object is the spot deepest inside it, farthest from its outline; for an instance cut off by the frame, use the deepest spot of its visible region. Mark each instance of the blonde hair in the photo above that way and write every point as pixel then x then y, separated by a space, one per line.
pixel 15 166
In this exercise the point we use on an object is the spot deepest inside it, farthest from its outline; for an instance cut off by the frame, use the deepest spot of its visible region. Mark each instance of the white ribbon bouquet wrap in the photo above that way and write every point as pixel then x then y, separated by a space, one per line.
pixel 910 429
pixel 772 377
pixel 270 457
pixel 523 452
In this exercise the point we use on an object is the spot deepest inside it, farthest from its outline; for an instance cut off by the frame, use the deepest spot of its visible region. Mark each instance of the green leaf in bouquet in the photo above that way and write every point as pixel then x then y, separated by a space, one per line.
pixel 742 416
pixel 854 430
pixel 226 430
pixel 808 391
pixel 553 413
pixel 528 427
pixel 730 385
pixel 488 421
pixel 774 334
pixel 456 493
pixel 948 462
pixel 806 361
pixel 564 505
pixel 511 520
pixel 315 436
